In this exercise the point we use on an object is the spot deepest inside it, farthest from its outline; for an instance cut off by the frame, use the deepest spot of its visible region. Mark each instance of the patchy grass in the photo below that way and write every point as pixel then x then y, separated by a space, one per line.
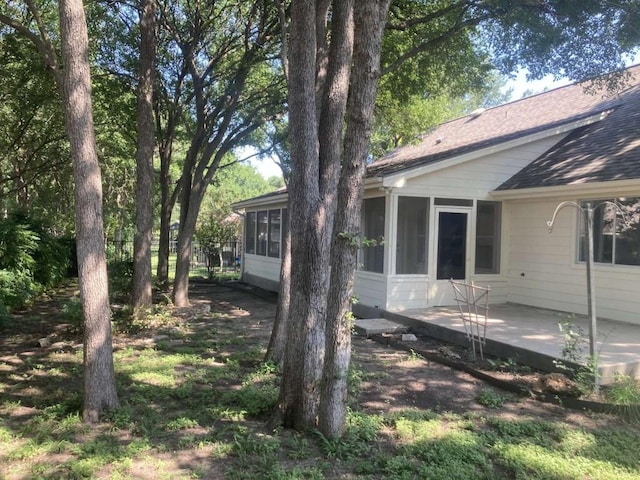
pixel 196 399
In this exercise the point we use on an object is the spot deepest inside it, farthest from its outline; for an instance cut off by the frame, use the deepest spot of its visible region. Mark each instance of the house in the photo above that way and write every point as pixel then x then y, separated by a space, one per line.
pixel 471 201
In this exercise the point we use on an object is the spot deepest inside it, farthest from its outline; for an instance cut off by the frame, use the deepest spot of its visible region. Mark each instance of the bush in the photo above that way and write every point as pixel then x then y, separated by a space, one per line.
pixel 120 277
pixel 17 288
pixel 31 259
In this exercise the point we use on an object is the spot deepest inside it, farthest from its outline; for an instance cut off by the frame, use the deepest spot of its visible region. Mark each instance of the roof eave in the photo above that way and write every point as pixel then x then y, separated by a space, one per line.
pixel 575 190
pixel 259 201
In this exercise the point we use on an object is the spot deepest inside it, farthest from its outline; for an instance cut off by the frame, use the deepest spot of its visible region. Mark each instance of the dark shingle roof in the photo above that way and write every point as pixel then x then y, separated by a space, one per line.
pixel 601 152
pixel 511 121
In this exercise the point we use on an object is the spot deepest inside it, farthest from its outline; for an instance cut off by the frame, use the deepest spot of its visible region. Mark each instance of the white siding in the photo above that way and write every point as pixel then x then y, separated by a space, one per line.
pixel 475 178
pixel 370 289
pixel 262 267
pixel 410 291
pixel 543 270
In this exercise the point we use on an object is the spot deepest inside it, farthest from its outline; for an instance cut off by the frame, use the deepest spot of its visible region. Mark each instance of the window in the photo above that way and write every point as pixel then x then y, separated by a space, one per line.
pixel 274 233
pixel 488 225
pixel 373 215
pixel 264 230
pixel 616 231
pixel 411 250
pixel 250 233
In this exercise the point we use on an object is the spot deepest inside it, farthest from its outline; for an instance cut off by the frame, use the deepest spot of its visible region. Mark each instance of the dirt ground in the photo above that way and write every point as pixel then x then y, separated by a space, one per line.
pixel 400 378
pixel 388 378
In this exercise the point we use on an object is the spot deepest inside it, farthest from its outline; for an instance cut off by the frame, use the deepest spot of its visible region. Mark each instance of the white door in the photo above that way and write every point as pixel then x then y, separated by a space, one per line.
pixel 451 256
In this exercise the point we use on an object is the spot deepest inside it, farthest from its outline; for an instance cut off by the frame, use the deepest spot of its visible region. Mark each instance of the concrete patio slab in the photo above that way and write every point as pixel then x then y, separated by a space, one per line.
pixel 532 336
pixel 377 326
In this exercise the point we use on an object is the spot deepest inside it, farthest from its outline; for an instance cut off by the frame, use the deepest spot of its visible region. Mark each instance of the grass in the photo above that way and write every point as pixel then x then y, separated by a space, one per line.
pixel 198 408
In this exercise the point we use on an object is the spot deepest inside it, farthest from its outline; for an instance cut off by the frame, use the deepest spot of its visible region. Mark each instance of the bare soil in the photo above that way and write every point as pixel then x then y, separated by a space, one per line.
pixel 390 377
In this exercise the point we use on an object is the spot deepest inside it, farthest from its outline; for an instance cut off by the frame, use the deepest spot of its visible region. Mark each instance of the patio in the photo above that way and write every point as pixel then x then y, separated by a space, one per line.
pixel 531 336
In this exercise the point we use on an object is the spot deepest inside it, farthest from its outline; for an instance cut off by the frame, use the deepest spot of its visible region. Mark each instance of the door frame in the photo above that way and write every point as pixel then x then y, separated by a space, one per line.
pixel 440 291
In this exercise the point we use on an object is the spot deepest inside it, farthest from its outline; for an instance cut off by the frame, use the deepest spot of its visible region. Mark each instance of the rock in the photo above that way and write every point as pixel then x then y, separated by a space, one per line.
pixel 61 346
pixel 44 342
pixel 409 337
pixel 448 352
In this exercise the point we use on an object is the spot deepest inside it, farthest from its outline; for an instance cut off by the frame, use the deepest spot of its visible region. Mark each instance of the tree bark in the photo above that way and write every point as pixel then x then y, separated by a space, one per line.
pixel 316 153
pixel 369 26
pixel 278 339
pixel 142 291
pixel 99 376
pixel 304 348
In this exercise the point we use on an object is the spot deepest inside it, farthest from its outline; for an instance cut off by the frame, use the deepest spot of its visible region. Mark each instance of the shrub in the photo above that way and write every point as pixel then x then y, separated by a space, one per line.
pixel 31 259
pixel 120 277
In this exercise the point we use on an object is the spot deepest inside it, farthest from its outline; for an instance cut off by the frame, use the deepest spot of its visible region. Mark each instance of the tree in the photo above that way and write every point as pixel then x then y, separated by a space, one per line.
pixel 74 83
pixel 33 145
pixel 141 296
pixel 315 302
pixel 100 390
pixel 401 119
pixel 228 86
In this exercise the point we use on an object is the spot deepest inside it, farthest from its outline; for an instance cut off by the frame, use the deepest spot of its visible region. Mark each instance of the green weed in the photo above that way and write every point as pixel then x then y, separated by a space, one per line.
pixel 489 398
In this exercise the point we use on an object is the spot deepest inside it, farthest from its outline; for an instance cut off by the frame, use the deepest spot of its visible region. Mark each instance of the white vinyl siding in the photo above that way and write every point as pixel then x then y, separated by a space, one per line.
pixel 262 267
pixel 474 179
pixel 543 270
pixel 370 289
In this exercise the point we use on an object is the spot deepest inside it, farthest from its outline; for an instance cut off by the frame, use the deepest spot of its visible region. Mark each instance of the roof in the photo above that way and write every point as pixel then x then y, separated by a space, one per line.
pixel 276 196
pixel 547 111
pixel 601 152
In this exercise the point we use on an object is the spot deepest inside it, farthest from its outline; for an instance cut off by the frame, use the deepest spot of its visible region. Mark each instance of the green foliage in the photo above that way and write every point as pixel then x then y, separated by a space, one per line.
pixel 358 439
pixel 177 396
pixel 578 40
pixel 254 398
pixel 120 277
pixel 31 259
pixel 625 390
pixel 74 315
pixel 490 398
pixel 584 369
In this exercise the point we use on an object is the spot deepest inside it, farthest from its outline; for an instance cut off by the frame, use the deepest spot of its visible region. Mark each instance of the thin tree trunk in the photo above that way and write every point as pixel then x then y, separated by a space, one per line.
pixel 277 342
pixel 167 202
pixel 142 291
pixel 99 376
pixel 370 20
pixel 189 207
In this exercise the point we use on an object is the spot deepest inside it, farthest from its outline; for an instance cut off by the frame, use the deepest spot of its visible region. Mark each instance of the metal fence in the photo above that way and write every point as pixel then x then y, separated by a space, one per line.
pixel 225 255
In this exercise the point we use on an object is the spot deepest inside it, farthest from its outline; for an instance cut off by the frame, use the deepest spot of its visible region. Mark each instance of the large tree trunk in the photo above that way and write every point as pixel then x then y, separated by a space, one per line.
pixel 369 20
pixel 99 376
pixel 142 291
pixel 316 152
pixel 304 350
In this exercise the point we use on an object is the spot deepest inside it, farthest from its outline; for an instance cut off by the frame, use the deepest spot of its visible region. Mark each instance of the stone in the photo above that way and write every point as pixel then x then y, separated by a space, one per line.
pixel 409 337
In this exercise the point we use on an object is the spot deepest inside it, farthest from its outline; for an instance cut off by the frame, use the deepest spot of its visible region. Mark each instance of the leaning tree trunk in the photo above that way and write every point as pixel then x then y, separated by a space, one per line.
pixel 191 201
pixel 142 292
pixel 369 26
pixel 277 342
pixel 99 376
